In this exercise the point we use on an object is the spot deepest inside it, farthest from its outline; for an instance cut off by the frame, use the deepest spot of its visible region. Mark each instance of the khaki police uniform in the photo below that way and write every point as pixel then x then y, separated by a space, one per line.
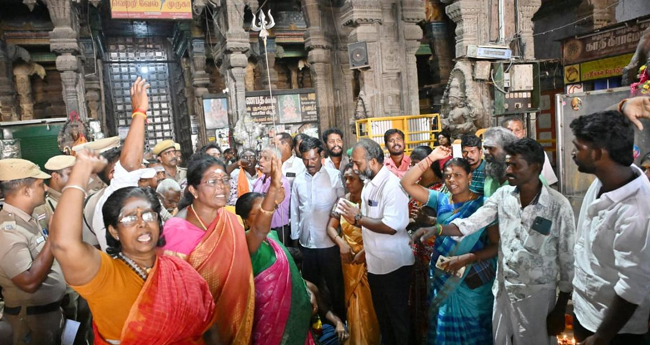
pixel 89 236
pixel 37 316
pixel 181 173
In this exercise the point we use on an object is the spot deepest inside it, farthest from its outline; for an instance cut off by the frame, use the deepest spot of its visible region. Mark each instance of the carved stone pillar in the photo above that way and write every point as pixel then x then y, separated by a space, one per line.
pixel 526 11
pixel 200 81
pixel 363 17
pixel 269 54
pixel 320 57
pixel 8 111
pixel 22 74
pixel 64 40
pixel 234 68
pixel 599 13
pixel 413 12
pixel 92 81
pixel 466 16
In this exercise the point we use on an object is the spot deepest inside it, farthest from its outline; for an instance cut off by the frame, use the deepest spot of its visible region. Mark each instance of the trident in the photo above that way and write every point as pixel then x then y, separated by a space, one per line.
pixel 263 29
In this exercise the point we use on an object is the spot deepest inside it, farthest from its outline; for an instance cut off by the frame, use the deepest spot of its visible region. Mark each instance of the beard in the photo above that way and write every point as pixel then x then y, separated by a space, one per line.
pixel 365 175
pixel 335 154
pixel 495 169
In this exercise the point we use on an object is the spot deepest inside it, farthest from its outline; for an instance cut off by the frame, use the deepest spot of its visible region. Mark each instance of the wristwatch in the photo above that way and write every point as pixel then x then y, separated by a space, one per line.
pixel 357 219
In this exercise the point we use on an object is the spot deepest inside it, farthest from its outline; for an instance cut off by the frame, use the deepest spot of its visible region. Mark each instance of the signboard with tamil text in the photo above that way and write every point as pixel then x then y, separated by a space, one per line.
pixel 621 39
pixel 604 68
pixel 151 9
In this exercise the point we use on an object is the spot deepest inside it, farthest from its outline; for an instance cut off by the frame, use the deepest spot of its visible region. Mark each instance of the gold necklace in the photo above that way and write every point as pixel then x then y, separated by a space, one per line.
pixel 198 218
pixel 472 196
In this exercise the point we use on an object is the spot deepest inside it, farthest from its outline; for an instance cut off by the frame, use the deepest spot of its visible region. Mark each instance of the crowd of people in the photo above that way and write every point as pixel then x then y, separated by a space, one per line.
pixel 305 242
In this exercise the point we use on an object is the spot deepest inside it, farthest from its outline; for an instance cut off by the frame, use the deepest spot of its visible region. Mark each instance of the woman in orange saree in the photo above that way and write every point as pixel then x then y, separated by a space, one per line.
pixel 362 321
pixel 212 240
pixel 136 296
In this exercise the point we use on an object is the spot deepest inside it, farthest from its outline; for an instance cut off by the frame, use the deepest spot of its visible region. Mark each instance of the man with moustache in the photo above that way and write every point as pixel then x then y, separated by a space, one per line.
pixel 473 152
pixel 516 126
pixel 59 167
pixel 612 281
pixel 280 221
pixel 32 282
pixel 336 159
pixel 291 165
pixel 537 236
pixel 383 217
pixel 165 151
pixel 313 195
pixel 494 140
pixel 398 163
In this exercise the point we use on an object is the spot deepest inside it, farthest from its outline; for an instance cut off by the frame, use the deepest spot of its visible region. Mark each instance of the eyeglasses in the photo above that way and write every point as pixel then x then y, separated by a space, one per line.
pixel 131 220
pixel 213 182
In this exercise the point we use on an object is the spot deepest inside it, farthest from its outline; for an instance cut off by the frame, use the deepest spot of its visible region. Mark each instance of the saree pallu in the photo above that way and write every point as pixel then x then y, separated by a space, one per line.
pixel 276 322
pixel 221 257
pixel 362 321
pixel 458 314
pixel 174 307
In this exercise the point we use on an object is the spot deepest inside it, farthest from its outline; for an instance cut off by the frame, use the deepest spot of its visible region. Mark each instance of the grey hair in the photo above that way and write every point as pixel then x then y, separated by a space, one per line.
pixel 12 186
pixel 507 121
pixel 273 150
pixel 168 184
pixel 373 150
pixel 499 136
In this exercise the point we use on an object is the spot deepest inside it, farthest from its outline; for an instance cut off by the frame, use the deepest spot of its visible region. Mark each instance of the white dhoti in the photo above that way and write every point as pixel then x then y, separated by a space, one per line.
pixel 523 322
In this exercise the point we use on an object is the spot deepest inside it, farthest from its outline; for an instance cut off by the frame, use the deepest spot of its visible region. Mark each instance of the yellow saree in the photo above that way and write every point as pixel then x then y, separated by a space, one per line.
pixel 362 321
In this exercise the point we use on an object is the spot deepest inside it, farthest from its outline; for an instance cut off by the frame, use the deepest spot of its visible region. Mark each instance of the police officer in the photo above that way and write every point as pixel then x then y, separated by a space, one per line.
pixel 32 283
pixel 59 167
pixel 166 153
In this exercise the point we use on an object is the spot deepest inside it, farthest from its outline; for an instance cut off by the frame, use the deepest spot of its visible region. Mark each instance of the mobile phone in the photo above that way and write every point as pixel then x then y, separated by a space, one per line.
pixel 443 259
pixel 542 225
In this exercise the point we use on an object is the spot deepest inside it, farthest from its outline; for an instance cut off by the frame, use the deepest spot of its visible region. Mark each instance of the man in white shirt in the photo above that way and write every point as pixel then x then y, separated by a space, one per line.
pixel 612 282
pixel 336 158
pixel 383 218
pixel 313 195
pixel 537 236
pixel 291 165
pixel 126 171
pixel 516 126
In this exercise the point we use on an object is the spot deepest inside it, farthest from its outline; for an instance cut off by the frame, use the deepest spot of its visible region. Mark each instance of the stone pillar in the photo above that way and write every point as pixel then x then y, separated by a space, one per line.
pixel 22 74
pixel 64 40
pixel 8 111
pixel 320 56
pixel 413 12
pixel 269 53
pixel 599 12
pixel 525 24
pixel 92 81
pixel 465 14
pixel 364 18
pixel 200 81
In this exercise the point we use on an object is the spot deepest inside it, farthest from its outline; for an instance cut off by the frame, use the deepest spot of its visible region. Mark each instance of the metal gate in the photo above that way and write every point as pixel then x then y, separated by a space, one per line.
pixel 148 57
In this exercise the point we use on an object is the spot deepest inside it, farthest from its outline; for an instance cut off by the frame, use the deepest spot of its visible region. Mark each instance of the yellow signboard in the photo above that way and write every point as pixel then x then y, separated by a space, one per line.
pixel 151 9
pixel 604 68
pixel 571 74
